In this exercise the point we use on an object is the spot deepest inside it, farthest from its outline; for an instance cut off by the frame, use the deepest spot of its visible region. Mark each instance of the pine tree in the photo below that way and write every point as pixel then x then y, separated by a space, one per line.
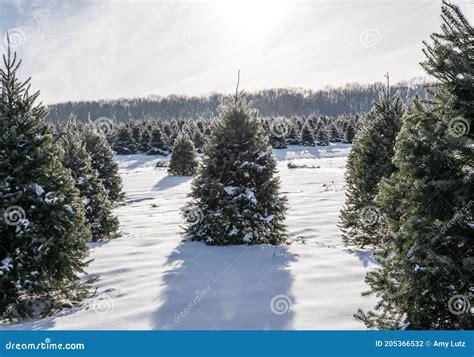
pixel 136 134
pixel 145 139
pixel 157 144
pixel 278 130
pixel 43 229
pixel 322 138
pixel 333 133
pixel 94 196
pixel 307 138
pixel 198 139
pixel 236 196
pixel 183 157
pixel 103 161
pixel 349 133
pixel 427 249
pixel 369 161
pixel 124 143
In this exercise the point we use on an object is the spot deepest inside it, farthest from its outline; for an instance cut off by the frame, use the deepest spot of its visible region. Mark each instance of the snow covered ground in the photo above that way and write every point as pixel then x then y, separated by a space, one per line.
pixel 151 279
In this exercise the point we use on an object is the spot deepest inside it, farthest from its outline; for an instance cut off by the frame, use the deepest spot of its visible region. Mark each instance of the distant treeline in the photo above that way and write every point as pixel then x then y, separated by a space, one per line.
pixel 352 99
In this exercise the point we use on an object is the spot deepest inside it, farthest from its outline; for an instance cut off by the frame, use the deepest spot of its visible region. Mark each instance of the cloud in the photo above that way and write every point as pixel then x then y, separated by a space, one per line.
pixel 78 50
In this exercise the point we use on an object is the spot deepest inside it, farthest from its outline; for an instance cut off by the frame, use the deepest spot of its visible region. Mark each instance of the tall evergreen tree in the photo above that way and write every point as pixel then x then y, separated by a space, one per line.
pixel 369 161
pixel 43 229
pixel 427 246
pixel 94 196
pixel 183 157
pixel 236 197
pixel 102 158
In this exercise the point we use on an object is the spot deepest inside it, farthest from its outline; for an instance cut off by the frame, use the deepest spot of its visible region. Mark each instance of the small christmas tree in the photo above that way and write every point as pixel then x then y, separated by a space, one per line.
pixel 236 197
pixel 94 196
pixel 369 161
pixel 43 229
pixel 198 139
pixel 349 133
pixel 322 138
pixel 183 157
pixel 124 143
pixel 307 138
pixel 145 139
pixel 426 251
pixel 103 161
pixel 278 129
pixel 333 133
pixel 157 144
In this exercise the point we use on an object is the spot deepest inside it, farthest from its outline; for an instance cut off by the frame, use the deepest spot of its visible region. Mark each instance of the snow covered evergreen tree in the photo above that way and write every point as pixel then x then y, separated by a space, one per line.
pixel 427 251
pixel 102 158
pixel 145 140
pixel 333 133
pixel 278 129
pixel 349 133
pixel 322 138
pixel 157 144
pixel 183 157
pixel 94 196
pixel 369 161
pixel 124 143
pixel 43 229
pixel 307 138
pixel 198 139
pixel 236 197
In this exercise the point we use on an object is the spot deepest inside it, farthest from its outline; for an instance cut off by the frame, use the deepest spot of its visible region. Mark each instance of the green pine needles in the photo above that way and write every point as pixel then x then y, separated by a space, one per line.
pixel 183 157
pixel 369 161
pixel 426 240
pixel 43 227
pixel 235 196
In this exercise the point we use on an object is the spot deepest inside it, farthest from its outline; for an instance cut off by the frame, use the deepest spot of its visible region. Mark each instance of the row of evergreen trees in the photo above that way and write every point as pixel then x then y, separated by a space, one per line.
pixel 157 137
pixel 55 197
pixel 410 195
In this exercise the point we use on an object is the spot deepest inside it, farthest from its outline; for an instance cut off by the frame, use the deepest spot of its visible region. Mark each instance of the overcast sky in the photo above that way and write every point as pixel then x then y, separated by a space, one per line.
pixel 79 49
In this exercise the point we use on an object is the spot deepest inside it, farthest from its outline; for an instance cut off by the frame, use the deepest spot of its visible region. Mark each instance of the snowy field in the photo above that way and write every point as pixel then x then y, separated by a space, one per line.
pixel 151 279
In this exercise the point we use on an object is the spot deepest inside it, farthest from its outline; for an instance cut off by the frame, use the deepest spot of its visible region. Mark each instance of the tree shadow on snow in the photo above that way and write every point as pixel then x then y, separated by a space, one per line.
pixel 365 256
pixel 232 287
pixel 170 182
pixel 132 162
